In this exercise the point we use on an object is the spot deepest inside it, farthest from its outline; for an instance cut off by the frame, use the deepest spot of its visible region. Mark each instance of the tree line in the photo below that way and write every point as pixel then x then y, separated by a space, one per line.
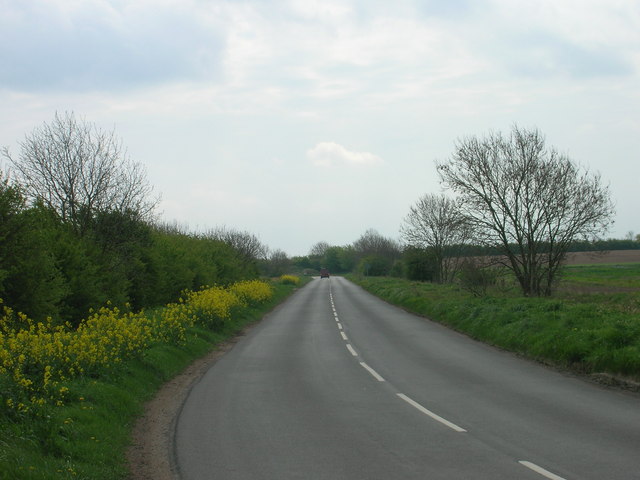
pixel 514 204
pixel 77 225
pixel 77 230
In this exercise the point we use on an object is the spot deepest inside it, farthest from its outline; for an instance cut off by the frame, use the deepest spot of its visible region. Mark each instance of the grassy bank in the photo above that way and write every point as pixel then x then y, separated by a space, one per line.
pixel 592 324
pixel 59 423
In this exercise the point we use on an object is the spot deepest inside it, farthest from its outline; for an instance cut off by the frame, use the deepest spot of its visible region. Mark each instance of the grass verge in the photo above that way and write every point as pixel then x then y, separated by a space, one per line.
pixel 593 328
pixel 87 437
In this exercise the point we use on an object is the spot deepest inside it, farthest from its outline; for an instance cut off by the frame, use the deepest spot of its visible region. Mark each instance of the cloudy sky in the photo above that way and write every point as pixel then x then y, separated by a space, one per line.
pixel 305 121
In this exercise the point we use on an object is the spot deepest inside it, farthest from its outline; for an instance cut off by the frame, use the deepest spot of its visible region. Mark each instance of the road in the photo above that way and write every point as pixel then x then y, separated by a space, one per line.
pixel 336 384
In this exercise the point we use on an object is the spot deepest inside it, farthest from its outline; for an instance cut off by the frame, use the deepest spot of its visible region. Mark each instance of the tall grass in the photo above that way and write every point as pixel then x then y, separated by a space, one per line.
pixel 592 325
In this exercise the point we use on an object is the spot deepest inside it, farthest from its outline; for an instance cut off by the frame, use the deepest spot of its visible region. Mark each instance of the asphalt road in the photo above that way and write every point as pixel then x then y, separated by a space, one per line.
pixel 336 384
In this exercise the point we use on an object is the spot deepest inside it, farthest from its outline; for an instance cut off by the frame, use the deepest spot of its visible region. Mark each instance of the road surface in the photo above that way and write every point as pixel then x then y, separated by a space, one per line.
pixel 336 384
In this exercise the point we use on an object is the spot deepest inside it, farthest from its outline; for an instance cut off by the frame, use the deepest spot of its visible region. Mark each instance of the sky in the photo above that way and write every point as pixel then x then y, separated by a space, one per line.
pixel 303 121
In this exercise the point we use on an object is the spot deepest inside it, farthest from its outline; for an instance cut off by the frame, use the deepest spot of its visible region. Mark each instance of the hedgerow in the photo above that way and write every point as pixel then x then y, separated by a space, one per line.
pixel 39 360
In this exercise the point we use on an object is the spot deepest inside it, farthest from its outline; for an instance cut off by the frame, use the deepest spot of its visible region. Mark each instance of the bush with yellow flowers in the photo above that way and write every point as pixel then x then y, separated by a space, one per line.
pixel 252 292
pixel 289 280
pixel 38 359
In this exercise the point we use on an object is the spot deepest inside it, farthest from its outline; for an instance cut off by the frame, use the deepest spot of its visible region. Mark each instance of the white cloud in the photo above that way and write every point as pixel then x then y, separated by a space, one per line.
pixel 207 94
pixel 330 154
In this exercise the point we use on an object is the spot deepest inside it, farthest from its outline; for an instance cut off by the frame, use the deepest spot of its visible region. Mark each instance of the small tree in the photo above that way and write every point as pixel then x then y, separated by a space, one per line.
pixel 436 223
pixel 76 169
pixel 528 200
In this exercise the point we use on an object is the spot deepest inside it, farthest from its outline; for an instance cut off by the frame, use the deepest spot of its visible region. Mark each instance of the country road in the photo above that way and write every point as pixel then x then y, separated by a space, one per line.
pixel 336 384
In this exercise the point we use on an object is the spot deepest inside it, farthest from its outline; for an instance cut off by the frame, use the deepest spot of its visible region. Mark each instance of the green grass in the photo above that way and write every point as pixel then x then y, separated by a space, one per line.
pixel 88 437
pixel 592 325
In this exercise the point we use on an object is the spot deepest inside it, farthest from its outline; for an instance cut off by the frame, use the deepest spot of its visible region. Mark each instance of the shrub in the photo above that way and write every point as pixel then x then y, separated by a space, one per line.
pixel 375 266
pixel 420 264
pixel 477 278
pixel 38 360
pixel 289 280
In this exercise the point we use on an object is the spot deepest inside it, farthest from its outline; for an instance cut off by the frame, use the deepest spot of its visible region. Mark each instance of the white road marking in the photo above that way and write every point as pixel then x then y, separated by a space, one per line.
pixel 344 337
pixel 339 325
pixel 375 374
pixel 350 348
pixel 540 470
pixel 438 418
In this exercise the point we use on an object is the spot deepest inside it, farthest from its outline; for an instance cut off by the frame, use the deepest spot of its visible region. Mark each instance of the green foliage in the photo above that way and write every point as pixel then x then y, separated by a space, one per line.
pixel 29 275
pixel 375 265
pixel 477 278
pixel 420 264
pixel 591 326
pixel 48 269
pixel 88 436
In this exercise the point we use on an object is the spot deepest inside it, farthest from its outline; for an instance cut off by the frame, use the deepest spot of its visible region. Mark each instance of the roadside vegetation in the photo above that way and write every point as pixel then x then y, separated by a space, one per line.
pixel 591 325
pixel 100 303
pixel 70 394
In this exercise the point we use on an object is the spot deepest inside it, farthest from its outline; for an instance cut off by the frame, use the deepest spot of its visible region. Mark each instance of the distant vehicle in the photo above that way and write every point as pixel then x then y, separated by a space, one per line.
pixel 324 273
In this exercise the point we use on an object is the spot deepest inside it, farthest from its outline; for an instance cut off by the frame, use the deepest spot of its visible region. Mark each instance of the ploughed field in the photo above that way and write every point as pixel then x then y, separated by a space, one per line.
pixel 613 256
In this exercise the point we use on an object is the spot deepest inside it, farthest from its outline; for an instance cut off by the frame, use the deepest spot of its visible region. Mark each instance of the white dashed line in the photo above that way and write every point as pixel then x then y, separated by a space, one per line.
pixel 540 470
pixel 344 337
pixel 339 325
pixel 350 348
pixel 438 418
pixel 375 374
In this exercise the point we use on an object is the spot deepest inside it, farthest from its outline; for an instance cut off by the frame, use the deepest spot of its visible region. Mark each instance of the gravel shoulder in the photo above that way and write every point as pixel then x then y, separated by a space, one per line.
pixel 151 452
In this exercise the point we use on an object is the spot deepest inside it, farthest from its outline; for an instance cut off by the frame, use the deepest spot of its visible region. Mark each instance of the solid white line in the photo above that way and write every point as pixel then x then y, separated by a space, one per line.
pixel 453 426
pixel 540 470
pixel 344 337
pixel 375 374
pixel 353 352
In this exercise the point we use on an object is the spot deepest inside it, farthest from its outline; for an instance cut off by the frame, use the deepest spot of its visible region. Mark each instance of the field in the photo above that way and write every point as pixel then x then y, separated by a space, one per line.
pixel 611 257
pixel 590 326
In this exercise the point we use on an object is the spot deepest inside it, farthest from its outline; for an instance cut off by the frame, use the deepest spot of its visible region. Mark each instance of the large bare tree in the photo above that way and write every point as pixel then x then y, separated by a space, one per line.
pixel 435 222
pixel 79 170
pixel 528 200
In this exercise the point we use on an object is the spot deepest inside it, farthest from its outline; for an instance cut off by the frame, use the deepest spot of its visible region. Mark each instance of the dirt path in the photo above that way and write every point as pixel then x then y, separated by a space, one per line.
pixel 150 455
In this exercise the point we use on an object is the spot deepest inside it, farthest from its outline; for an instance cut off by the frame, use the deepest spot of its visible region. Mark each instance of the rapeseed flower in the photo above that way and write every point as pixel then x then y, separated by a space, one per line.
pixel 38 359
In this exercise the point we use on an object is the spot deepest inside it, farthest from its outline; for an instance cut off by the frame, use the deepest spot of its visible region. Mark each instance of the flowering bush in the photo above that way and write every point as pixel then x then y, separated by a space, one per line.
pixel 252 292
pixel 289 280
pixel 38 359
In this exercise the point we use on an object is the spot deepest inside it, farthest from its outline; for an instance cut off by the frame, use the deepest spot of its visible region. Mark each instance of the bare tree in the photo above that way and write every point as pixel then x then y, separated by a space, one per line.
pixel 528 200
pixel 77 169
pixel 373 243
pixel 319 249
pixel 246 244
pixel 277 263
pixel 436 223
